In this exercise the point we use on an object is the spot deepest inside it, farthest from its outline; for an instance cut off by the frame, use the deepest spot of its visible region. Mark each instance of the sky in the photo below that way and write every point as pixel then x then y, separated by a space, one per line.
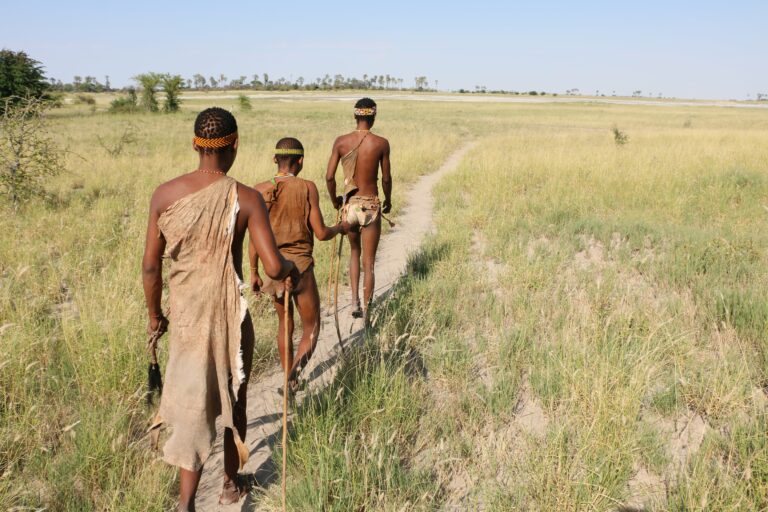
pixel 684 49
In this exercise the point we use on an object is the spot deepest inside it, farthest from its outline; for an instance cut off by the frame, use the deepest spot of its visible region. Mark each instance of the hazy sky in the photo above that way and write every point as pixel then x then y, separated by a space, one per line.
pixel 695 49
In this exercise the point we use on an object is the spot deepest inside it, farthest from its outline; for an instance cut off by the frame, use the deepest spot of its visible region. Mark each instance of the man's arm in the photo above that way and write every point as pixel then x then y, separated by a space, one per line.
pixel 330 175
pixel 322 232
pixel 253 257
pixel 262 239
pixel 152 268
pixel 386 178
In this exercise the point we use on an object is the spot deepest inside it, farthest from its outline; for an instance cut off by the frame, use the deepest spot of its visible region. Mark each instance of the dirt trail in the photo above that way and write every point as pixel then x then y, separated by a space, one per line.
pixel 264 399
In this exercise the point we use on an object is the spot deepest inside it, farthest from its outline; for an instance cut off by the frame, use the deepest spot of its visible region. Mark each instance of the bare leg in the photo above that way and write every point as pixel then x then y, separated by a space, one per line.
pixel 280 309
pixel 354 265
pixel 188 481
pixel 370 235
pixel 308 304
pixel 232 491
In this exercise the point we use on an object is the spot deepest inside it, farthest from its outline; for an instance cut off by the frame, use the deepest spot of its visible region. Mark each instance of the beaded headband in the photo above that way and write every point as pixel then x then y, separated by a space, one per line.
pixel 286 151
pixel 220 142
pixel 365 112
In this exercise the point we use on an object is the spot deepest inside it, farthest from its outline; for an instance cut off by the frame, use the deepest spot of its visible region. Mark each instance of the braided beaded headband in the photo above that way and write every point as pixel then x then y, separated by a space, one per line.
pixel 365 111
pixel 220 142
pixel 286 151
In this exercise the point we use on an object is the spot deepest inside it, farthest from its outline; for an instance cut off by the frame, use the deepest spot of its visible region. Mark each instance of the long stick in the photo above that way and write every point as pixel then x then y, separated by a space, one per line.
pixel 286 368
pixel 333 254
pixel 336 294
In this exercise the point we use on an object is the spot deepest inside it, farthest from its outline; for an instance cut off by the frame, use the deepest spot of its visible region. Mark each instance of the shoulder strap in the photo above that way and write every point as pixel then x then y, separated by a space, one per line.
pixel 361 141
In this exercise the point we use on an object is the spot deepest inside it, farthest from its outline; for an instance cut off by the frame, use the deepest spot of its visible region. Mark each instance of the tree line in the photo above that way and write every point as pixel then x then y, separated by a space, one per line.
pixel 258 82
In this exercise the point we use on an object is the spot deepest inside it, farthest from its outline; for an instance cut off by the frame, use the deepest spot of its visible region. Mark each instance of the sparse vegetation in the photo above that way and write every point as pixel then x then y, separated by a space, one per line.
pixel 125 104
pixel 29 156
pixel 244 103
pixel 619 137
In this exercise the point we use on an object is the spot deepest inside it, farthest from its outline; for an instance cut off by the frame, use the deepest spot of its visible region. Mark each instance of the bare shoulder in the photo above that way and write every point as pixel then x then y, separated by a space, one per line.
pixel 339 141
pixel 247 197
pixel 263 187
pixel 310 184
pixel 166 193
pixel 381 143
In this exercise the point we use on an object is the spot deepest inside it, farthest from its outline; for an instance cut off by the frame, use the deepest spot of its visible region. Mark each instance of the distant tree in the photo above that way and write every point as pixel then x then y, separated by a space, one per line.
pixel 222 80
pixel 149 83
pixel 266 81
pixel 107 85
pixel 214 83
pixel 199 81
pixel 172 88
pixel 20 77
pixel 28 154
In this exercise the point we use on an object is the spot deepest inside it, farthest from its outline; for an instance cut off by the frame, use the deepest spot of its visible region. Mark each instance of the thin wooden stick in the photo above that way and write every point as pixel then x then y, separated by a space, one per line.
pixel 333 254
pixel 286 368
pixel 336 294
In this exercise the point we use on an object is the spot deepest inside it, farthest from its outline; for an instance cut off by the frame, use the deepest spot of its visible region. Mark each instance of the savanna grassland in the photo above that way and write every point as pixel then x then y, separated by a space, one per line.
pixel 585 330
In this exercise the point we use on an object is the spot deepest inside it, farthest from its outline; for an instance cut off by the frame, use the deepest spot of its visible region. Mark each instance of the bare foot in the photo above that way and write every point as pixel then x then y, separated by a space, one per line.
pixel 232 492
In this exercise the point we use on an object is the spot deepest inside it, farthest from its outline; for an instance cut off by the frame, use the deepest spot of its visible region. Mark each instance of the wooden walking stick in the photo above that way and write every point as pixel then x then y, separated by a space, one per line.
pixel 287 369
pixel 336 294
pixel 333 253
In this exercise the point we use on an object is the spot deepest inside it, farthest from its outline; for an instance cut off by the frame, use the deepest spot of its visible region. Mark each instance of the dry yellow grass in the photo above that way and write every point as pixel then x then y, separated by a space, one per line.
pixel 616 295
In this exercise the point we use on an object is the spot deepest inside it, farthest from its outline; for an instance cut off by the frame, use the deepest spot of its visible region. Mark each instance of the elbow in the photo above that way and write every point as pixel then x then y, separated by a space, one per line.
pixel 274 271
pixel 150 268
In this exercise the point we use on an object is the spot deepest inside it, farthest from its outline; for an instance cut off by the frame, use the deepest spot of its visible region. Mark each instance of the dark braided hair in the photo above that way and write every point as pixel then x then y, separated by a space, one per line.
pixel 288 143
pixel 213 123
pixel 365 103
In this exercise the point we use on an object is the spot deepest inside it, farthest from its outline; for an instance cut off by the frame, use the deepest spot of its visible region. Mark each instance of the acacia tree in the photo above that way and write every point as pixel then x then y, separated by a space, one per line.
pixel 20 77
pixel 28 154
pixel 172 88
pixel 149 83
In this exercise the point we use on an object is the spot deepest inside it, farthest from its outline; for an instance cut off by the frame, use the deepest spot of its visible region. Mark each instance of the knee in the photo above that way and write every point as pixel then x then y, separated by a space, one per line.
pixel 369 265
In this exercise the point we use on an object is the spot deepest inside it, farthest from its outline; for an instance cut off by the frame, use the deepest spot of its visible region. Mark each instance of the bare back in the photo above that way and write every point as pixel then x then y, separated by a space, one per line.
pixel 371 153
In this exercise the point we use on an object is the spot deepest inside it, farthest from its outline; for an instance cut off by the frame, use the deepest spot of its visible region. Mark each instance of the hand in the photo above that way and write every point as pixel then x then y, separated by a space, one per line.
pixel 157 325
pixel 292 281
pixel 343 227
pixel 339 202
pixel 256 282
pixel 386 207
